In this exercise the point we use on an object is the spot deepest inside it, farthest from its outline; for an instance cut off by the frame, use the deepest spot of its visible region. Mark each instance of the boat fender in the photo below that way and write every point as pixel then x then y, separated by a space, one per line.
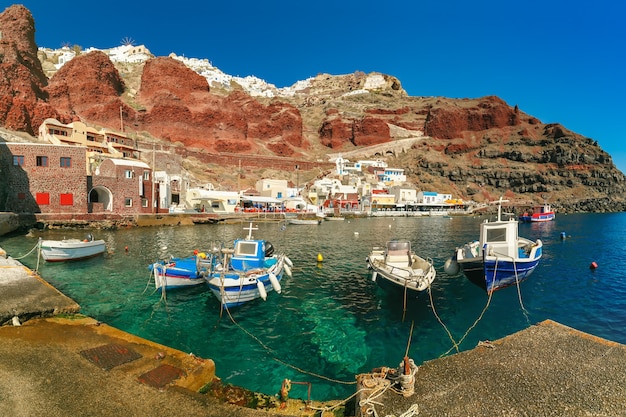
pixel 451 267
pixel 275 283
pixel 261 288
pixel 288 262
pixel 287 270
pixel 374 275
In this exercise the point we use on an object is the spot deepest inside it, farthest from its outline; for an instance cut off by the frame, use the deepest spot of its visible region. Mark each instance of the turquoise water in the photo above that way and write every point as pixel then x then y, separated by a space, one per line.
pixel 331 321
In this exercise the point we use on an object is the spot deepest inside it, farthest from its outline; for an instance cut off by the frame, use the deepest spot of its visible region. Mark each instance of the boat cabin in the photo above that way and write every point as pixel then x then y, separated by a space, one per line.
pixel 500 238
pixel 248 254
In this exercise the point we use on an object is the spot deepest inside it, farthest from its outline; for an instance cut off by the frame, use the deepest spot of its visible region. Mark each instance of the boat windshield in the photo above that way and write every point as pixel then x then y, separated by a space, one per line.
pixel 496 234
pixel 246 249
pixel 399 246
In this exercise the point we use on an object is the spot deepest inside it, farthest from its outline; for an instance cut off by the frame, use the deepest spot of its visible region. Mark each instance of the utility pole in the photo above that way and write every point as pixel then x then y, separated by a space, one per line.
pixel 298 179
pixel 154 201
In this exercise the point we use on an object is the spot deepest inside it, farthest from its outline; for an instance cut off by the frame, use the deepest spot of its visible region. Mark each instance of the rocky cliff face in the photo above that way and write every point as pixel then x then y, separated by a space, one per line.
pixel 23 103
pixel 474 148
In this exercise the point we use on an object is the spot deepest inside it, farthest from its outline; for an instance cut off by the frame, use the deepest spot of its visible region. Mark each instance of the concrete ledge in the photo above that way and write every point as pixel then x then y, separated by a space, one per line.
pixel 547 369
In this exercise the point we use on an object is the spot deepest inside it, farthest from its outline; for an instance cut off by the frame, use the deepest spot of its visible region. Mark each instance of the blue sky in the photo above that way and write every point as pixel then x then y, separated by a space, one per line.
pixel 561 61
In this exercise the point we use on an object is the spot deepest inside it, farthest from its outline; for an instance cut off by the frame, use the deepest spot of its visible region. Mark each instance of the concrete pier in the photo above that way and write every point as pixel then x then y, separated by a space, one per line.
pixel 55 362
pixel 546 370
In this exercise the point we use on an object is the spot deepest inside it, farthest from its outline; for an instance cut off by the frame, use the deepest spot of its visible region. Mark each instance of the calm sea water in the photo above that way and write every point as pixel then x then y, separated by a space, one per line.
pixel 331 321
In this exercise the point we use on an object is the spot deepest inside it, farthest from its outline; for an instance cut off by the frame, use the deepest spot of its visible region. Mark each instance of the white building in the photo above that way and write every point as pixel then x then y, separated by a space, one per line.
pixel 431 197
pixel 277 189
pixel 211 201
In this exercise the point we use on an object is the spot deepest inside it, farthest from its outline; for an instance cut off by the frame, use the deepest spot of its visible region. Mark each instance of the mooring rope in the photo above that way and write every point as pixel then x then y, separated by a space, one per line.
pixel 519 294
pixel 29 252
pixel 432 306
pixel 273 354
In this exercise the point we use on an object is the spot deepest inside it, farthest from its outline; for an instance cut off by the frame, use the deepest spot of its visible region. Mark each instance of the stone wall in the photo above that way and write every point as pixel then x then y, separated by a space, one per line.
pixel 44 186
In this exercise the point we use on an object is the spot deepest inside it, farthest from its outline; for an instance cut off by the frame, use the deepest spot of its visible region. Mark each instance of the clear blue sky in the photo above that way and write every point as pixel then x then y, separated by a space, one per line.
pixel 562 61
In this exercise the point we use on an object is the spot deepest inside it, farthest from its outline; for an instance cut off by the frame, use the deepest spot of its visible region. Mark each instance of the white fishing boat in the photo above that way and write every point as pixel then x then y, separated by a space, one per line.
pixel 71 249
pixel 499 258
pixel 397 267
pixel 248 271
pixel 334 218
pixel 315 221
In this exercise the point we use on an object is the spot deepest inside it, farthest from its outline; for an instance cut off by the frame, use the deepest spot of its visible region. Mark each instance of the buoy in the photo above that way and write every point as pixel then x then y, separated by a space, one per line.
pixel 126 248
pixel 356 233
pixel 593 265
pixel 320 258
pixel 374 275
pixel 563 235
pixel 451 267
pixel 287 270
pixel 261 288
pixel 195 251
pixel 275 283
pixel 288 261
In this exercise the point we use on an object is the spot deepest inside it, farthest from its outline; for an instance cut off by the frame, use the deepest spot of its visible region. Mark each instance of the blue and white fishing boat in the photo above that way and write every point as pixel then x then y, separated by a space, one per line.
pixel 182 272
pixel 248 271
pixel 500 258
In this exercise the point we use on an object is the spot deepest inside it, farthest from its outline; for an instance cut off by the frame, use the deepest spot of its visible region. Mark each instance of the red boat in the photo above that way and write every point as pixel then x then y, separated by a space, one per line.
pixel 543 213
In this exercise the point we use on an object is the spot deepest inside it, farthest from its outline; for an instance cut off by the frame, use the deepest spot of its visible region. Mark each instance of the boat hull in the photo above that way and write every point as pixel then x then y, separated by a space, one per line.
pixel 179 273
pixel 395 284
pixel 306 221
pixel 235 288
pixel 403 275
pixel 494 274
pixel 70 249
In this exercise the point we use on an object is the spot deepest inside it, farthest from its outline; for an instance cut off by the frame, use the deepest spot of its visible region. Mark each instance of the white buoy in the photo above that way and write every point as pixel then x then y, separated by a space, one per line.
pixel 374 275
pixel 261 288
pixel 288 262
pixel 451 267
pixel 275 283
pixel 287 270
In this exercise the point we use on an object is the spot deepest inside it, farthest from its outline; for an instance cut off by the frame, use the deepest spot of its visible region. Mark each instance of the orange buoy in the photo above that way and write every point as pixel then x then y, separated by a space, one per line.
pixel 593 265
pixel 126 248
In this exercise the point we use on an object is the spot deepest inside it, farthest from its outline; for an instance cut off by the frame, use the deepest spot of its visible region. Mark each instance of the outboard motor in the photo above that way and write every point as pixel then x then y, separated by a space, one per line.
pixel 269 249
pixel 89 237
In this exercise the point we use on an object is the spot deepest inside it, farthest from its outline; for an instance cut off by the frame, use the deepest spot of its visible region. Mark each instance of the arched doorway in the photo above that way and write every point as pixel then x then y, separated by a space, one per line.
pixel 100 199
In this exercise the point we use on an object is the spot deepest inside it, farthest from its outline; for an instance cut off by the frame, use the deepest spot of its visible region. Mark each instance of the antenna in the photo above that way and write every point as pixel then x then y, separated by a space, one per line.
pixel 250 228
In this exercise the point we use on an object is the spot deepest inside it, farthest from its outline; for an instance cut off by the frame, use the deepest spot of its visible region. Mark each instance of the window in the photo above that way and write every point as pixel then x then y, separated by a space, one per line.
pixel 146 175
pixel 66 162
pixel 128 174
pixel 128 202
pixel 245 248
pixel 144 202
pixel 18 160
pixel 67 199
pixel 42 161
pixel 43 199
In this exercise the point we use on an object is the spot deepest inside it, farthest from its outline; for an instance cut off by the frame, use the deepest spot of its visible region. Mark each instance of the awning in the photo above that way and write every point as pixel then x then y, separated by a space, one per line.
pixel 259 199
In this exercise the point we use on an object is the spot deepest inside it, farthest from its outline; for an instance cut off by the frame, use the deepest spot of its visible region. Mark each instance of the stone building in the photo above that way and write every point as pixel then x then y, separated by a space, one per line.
pixel 42 178
pixel 122 186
